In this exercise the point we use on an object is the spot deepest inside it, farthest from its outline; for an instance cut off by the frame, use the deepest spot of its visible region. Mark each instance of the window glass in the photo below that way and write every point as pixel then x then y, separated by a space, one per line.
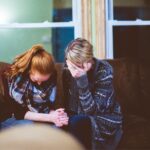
pixel 131 9
pixel 60 38
pixel 62 10
pixel 16 41
pixel 34 11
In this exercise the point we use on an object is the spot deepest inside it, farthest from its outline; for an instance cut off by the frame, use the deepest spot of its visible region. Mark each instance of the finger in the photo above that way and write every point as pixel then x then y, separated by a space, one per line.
pixel 65 123
pixel 61 110
pixel 63 120
pixel 75 66
pixel 63 114
pixel 71 64
pixel 59 123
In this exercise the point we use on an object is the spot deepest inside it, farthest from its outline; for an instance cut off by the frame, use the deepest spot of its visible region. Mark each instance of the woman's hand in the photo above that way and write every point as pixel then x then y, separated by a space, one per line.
pixel 58 117
pixel 78 71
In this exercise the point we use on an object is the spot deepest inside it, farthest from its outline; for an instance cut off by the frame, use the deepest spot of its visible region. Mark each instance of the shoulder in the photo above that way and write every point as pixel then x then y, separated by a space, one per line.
pixel 103 69
pixel 103 65
pixel 18 79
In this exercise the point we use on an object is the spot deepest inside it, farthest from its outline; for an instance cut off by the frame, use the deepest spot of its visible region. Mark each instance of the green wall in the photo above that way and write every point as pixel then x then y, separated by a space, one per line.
pixel 16 41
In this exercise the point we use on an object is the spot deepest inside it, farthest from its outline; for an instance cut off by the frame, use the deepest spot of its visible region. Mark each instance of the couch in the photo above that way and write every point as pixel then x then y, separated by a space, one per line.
pixel 132 88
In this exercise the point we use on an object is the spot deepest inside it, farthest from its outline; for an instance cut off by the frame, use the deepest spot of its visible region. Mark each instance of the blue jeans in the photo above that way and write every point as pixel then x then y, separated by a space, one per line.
pixel 11 122
pixel 111 143
pixel 80 127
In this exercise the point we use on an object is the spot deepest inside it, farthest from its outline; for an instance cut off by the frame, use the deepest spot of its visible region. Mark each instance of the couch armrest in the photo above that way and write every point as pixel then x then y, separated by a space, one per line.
pixel 3 67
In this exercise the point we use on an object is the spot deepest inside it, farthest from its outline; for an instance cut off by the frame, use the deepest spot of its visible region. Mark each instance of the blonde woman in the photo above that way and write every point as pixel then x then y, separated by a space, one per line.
pixel 89 94
pixel 31 86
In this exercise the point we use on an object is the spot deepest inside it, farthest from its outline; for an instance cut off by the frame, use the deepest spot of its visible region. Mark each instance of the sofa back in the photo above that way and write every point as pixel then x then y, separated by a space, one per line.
pixel 3 67
pixel 131 83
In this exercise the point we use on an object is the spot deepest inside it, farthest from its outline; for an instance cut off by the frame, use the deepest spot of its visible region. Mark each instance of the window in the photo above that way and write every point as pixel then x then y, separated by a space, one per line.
pixel 23 23
pixel 128 28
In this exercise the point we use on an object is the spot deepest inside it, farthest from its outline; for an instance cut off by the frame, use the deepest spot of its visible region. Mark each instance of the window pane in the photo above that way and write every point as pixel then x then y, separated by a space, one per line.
pixel 60 38
pixel 33 11
pixel 16 41
pixel 132 42
pixel 62 10
pixel 131 9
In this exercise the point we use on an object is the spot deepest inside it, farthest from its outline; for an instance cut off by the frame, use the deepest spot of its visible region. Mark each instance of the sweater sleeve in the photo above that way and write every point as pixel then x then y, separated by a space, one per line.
pixel 13 107
pixel 66 90
pixel 101 98
pixel 19 110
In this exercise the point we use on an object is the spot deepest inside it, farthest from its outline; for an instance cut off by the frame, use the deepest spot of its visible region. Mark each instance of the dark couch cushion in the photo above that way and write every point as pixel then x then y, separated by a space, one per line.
pixel 3 67
pixel 136 133
pixel 144 71
pixel 5 108
pixel 126 84
pixel 60 95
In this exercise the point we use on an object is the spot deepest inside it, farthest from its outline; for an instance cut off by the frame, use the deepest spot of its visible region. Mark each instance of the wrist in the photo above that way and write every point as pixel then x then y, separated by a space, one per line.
pixel 82 81
pixel 50 117
pixel 46 118
pixel 41 117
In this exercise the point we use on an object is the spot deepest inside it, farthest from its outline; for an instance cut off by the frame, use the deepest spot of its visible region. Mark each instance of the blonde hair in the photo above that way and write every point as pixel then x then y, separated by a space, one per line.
pixel 34 59
pixel 79 51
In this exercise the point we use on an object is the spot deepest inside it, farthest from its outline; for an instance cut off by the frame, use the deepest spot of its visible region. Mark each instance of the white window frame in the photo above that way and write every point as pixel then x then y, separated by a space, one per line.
pixel 75 23
pixel 110 23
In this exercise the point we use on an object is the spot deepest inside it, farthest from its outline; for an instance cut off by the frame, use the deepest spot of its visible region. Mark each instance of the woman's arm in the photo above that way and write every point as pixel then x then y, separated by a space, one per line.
pixel 41 117
pixel 58 117
pixel 101 98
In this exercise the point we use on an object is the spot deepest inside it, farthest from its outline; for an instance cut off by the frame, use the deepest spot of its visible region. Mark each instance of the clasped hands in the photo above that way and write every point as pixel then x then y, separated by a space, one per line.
pixel 59 117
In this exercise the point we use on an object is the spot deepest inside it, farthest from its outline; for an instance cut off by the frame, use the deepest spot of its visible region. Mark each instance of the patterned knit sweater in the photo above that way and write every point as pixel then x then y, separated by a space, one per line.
pixel 93 95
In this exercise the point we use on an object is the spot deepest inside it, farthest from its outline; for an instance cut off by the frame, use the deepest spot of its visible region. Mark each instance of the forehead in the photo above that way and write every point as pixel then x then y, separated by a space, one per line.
pixel 39 75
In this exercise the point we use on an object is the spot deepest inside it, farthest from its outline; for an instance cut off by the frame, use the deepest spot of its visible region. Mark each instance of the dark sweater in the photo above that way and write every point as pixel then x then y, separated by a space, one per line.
pixel 92 94
pixel 11 107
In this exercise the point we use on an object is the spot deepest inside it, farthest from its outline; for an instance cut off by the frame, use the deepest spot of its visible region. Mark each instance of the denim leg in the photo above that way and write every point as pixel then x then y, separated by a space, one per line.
pixel 110 143
pixel 113 142
pixel 80 127
pixel 13 122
